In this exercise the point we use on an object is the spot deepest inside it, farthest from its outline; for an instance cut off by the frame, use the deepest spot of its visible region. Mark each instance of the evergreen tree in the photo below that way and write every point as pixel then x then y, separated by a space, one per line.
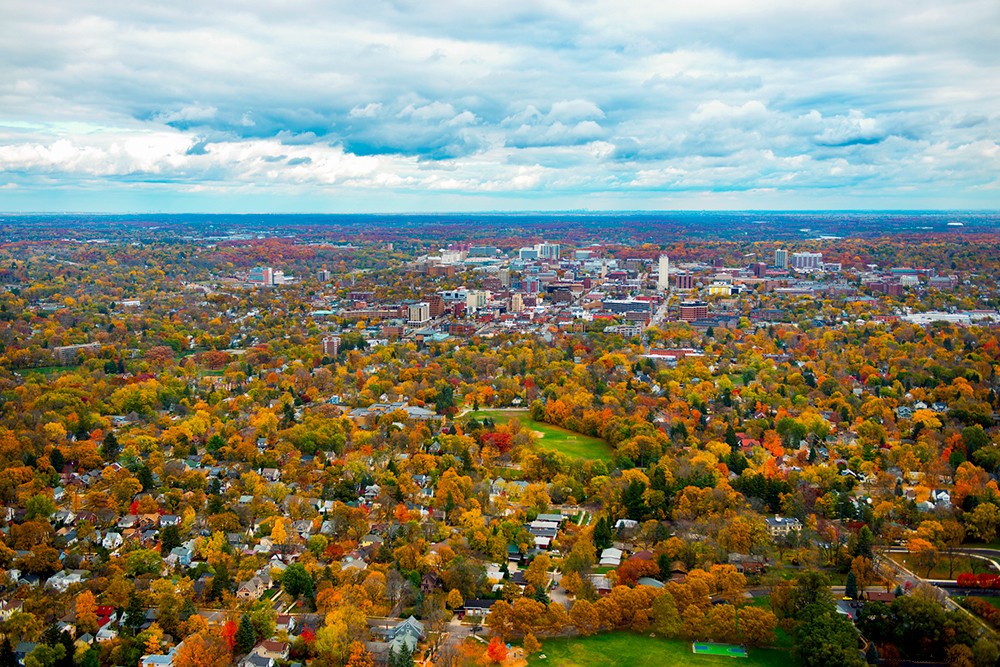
pixel 135 615
pixel 220 583
pixel 602 534
pixel 246 636
pixel 188 609
pixel 851 586
pixel 865 544
pixel 7 656
pixel 170 538
pixel 110 449
pixel 731 438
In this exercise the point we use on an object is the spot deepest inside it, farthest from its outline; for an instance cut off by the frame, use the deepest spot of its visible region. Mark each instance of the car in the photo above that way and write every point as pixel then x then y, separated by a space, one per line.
pixel 847 598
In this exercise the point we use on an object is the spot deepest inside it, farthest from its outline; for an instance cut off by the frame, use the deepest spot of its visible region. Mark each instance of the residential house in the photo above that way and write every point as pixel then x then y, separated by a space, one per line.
pixel 779 526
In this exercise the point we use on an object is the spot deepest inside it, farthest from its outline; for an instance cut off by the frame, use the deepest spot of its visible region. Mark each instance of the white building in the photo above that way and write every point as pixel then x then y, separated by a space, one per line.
pixel 781 258
pixel 663 281
pixel 477 299
pixel 807 260
pixel 419 313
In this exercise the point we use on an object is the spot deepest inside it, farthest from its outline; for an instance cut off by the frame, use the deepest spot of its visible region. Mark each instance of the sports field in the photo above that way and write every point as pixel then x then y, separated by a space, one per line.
pixel 625 648
pixel 575 445
pixel 727 650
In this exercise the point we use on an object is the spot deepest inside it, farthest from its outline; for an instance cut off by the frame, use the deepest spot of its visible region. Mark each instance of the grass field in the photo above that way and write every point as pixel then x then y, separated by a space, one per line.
pixel 623 648
pixel 575 445
pixel 940 570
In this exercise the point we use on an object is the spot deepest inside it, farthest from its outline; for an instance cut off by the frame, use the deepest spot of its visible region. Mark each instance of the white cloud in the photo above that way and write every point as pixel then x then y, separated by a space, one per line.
pixel 548 98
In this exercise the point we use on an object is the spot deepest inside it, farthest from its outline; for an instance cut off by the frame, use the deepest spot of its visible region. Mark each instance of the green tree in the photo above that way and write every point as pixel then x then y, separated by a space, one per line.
pixel 44 655
pixel 823 638
pixel 851 586
pixel 602 534
pixel 110 449
pixel 135 614
pixel 246 636
pixel 39 507
pixel 296 581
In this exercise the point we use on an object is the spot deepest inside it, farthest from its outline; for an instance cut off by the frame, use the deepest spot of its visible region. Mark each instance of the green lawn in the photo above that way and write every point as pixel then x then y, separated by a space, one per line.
pixel 623 648
pixel 940 570
pixel 575 445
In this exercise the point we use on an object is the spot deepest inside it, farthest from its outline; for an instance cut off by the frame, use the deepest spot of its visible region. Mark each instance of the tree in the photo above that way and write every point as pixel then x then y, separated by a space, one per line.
pixel 960 655
pixel 496 651
pixel 44 655
pixel 602 534
pixel 983 521
pixel 537 572
pixel 135 614
pixel 359 656
pixel 924 554
pixel 246 636
pixel 584 617
pixel 228 634
pixel 531 644
pixel 203 649
pixel 8 658
pixel 110 448
pixel 86 612
pixel 823 637
pixel 851 586
pixel 170 538
pixel 296 581
pixel 666 620
pixel 278 533
pixel 756 626
pixel 864 572
pixel 454 600
pixel 810 588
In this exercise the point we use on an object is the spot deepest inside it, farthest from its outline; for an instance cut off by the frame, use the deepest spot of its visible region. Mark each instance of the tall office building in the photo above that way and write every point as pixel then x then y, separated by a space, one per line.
pixel 663 282
pixel 781 258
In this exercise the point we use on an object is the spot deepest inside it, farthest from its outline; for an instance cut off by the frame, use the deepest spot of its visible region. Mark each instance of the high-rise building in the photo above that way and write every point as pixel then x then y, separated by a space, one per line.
pixel 322 275
pixel 436 305
pixel 807 260
pixel 663 282
pixel 781 258
pixel 477 299
pixel 418 313
pixel 331 346
pixel 684 281
pixel 547 250
pixel 516 303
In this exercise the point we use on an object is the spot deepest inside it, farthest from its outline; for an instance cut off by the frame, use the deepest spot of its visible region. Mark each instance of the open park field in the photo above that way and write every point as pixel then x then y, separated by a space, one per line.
pixel 575 445
pixel 624 648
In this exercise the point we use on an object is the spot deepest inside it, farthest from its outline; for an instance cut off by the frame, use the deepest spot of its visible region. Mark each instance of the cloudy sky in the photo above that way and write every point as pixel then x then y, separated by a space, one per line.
pixel 327 106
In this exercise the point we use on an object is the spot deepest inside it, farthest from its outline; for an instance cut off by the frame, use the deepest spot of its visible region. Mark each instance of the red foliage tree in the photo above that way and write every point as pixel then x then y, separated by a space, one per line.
pixel 229 634
pixel 497 650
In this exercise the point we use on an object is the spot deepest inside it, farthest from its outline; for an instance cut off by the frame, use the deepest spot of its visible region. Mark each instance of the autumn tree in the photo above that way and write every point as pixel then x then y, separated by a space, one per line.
pixel 359 657
pixel 86 612
pixel 496 651
pixel 203 650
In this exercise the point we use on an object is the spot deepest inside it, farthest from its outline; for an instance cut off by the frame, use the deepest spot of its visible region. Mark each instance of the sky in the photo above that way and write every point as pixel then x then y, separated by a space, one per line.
pixel 399 106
